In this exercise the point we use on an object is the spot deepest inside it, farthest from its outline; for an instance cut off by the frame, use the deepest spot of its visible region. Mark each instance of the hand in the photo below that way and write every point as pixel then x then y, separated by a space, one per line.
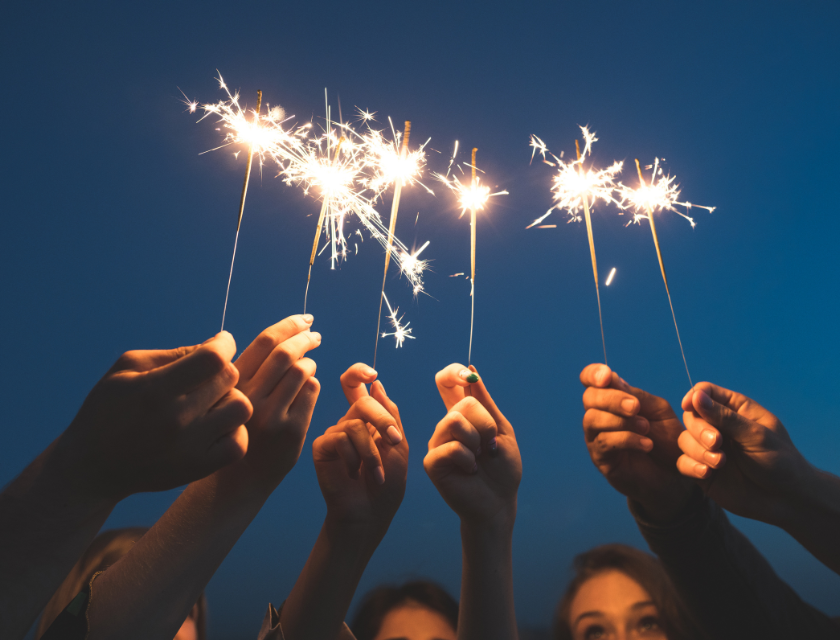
pixel 473 458
pixel 362 461
pixel 280 383
pixel 740 454
pixel 158 420
pixel 632 438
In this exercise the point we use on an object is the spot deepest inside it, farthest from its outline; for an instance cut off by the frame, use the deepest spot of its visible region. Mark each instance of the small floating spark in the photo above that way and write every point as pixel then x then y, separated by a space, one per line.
pixel 401 332
pixel 610 277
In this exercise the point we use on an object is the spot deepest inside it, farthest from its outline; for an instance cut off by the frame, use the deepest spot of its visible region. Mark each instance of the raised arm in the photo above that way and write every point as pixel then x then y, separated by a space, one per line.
pixel 149 592
pixel 474 463
pixel 361 464
pixel 149 424
pixel 760 474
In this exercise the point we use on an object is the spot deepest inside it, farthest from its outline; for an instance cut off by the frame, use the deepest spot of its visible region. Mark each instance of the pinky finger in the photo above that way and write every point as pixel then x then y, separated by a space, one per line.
pixel 690 468
pixel 615 441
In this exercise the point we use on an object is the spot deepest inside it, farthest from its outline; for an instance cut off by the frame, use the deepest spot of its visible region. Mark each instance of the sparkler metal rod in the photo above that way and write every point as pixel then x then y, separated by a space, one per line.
pixel 592 253
pixel 664 277
pixel 241 207
pixel 395 205
pixel 472 263
pixel 324 206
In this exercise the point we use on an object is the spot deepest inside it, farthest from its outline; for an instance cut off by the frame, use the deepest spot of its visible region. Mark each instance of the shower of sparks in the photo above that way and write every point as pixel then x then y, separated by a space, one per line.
pixel 661 194
pixel 610 278
pixel 409 262
pixel 574 183
pixel 401 332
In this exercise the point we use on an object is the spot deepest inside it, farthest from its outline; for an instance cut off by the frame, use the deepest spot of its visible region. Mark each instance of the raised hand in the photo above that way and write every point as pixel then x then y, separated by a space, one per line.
pixel 473 457
pixel 362 461
pixel 632 438
pixel 280 382
pixel 159 419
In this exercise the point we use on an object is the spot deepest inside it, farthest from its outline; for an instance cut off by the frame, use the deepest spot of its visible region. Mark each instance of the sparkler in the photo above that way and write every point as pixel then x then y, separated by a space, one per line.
pixel 401 332
pixel 573 189
pixel 473 198
pixel 661 193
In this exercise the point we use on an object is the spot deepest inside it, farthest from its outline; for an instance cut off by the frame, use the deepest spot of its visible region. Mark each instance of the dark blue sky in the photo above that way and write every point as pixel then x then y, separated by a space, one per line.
pixel 117 235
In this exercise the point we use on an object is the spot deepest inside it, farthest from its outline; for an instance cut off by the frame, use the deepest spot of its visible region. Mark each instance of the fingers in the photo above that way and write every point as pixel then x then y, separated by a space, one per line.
pixel 452 383
pixel 613 401
pixel 596 375
pixel 479 391
pixel 365 447
pixel 211 392
pixel 450 456
pixel 228 449
pixel 610 443
pixel 197 367
pixel 338 444
pixel 370 411
pixel 304 405
pixel 690 468
pixel 596 421
pixel 693 449
pixel 702 432
pixel 480 419
pixel 455 427
pixel 725 419
pixel 377 390
pixel 226 416
pixel 278 362
pixel 290 386
pixel 354 379
pixel 256 353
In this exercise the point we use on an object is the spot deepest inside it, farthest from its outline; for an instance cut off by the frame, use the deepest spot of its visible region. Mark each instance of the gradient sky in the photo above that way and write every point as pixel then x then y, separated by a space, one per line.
pixel 117 235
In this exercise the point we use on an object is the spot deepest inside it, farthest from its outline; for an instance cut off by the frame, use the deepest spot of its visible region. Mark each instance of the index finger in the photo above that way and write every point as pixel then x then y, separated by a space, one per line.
pixel 452 383
pixel 256 353
pixel 354 379
pixel 372 412
pixel 197 367
pixel 479 391
pixel 596 375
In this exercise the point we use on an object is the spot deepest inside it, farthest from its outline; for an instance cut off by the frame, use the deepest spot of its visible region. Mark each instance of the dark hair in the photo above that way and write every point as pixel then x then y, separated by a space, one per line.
pixel 380 601
pixel 105 550
pixel 639 566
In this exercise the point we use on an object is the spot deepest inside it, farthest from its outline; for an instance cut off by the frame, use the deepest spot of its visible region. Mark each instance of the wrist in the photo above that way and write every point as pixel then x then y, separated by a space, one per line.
pixel 814 498
pixel 358 534
pixel 495 530
pixel 73 477
pixel 670 506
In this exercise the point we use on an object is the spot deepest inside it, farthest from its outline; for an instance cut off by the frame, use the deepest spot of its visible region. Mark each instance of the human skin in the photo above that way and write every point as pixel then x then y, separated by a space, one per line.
pixel 613 606
pixel 413 621
pixel 742 457
pixel 474 463
pixel 150 591
pixel 361 464
pixel 156 420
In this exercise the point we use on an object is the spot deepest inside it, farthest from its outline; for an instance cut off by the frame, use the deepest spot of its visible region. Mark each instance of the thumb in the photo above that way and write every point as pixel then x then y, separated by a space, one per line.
pixel 729 422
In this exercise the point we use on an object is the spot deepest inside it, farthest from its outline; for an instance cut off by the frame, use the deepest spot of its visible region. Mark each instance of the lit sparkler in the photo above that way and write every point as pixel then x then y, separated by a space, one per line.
pixel 472 198
pixel 576 188
pixel 401 332
pixel 660 194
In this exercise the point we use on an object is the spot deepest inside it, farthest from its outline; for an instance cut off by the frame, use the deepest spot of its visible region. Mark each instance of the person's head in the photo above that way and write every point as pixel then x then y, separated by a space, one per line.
pixel 620 593
pixel 417 610
pixel 105 550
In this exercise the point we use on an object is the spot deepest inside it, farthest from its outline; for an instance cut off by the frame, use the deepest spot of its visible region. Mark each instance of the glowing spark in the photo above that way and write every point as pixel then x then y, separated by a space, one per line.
pixel 610 277
pixel 192 105
pixel 661 194
pixel 401 332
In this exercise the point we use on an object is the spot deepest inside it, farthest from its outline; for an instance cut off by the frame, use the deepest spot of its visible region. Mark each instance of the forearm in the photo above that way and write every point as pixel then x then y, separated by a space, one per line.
pixel 150 591
pixel 318 603
pixel 815 520
pixel 46 523
pixel 487 608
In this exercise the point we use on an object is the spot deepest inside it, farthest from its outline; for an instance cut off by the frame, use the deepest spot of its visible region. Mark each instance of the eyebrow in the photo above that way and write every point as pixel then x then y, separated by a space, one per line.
pixel 591 614
pixel 404 638
pixel 641 605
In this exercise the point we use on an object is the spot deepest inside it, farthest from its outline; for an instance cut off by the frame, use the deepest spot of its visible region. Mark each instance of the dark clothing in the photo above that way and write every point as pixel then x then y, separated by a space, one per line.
pixel 726 583
pixel 271 629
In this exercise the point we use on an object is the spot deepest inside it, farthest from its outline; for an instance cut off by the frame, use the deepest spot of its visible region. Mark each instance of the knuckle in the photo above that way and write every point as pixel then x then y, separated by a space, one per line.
pixel 212 361
pixel 266 341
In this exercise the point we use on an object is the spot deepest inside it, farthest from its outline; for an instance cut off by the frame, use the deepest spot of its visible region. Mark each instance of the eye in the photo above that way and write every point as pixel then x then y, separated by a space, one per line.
pixel 594 632
pixel 649 624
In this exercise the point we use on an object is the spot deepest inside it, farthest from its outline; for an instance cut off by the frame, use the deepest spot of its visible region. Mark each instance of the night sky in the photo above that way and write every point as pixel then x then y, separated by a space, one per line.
pixel 117 235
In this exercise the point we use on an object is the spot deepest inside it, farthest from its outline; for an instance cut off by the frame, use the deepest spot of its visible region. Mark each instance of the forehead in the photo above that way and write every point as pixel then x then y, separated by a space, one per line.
pixel 609 592
pixel 415 622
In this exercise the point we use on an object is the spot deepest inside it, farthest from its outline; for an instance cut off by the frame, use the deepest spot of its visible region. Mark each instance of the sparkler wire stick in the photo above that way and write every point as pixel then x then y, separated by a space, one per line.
pixel 472 262
pixel 395 205
pixel 324 206
pixel 241 208
pixel 592 253
pixel 664 277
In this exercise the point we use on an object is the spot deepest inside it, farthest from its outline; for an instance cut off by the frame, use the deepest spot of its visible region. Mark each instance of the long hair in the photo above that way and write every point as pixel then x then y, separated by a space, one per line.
pixel 639 566
pixel 105 550
pixel 378 602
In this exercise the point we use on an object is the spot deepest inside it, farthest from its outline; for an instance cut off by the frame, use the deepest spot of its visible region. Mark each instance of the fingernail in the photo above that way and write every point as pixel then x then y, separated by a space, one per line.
pixel 709 437
pixel 308 318
pixel 379 475
pixel 370 372
pixel 469 376
pixel 394 434
pixel 646 443
pixel 623 381
pixel 316 336
pixel 602 374
pixel 712 458
pixel 475 468
pixel 642 425
pixel 704 401
pixel 629 404
pixel 700 469
pixel 493 446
